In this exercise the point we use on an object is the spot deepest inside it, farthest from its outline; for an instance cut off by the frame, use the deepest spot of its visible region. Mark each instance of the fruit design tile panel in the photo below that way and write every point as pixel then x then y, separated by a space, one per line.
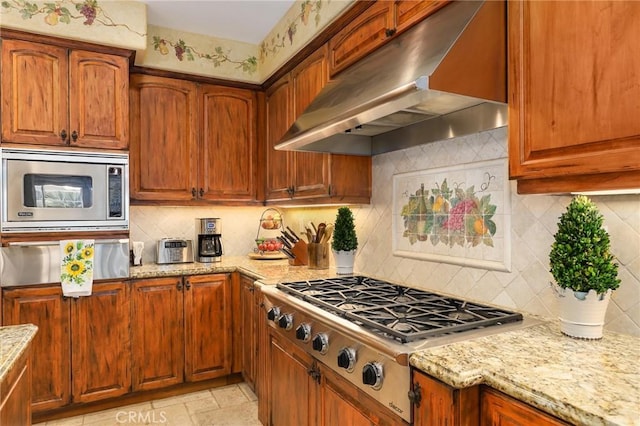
pixel 458 215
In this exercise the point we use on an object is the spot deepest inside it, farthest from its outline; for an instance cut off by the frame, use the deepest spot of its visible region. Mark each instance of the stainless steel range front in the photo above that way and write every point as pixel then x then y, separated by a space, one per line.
pixel 365 329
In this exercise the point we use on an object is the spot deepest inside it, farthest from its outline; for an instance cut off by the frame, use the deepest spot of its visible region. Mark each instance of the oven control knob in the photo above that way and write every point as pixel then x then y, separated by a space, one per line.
pixel 320 343
pixel 303 332
pixel 273 314
pixel 286 321
pixel 372 375
pixel 347 359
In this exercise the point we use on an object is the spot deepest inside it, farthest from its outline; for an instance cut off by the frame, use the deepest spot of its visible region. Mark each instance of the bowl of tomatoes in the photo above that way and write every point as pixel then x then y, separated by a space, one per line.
pixel 268 245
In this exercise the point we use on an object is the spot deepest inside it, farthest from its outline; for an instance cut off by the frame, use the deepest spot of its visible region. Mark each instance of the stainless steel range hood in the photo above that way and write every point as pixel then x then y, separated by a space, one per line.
pixel 443 78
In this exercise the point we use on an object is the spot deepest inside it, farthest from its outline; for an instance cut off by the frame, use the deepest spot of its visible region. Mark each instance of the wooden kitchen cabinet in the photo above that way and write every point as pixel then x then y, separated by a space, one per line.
pixel 249 311
pixel 15 392
pixel 374 27
pixel 304 176
pixel 53 95
pixel 192 142
pixel 164 142
pixel 228 149
pixel 499 409
pixel 95 329
pixel 292 389
pixel 181 330
pixel 436 403
pixel 574 95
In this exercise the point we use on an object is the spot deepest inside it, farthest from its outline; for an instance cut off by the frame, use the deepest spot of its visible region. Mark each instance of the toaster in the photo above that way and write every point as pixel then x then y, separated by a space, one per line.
pixel 174 250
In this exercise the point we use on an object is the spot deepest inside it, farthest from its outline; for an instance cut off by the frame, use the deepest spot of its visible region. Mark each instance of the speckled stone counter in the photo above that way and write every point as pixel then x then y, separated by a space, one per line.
pixel 268 271
pixel 14 340
pixel 583 382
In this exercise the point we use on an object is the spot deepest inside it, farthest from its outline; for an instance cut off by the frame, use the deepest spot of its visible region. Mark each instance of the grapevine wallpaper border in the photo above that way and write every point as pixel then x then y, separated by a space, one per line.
pixel 458 214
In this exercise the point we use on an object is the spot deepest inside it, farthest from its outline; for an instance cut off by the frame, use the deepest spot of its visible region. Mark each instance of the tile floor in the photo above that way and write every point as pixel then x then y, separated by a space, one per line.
pixel 233 405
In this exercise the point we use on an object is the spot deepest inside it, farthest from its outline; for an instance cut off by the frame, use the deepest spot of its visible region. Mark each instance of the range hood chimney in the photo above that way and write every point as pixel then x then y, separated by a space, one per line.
pixel 443 78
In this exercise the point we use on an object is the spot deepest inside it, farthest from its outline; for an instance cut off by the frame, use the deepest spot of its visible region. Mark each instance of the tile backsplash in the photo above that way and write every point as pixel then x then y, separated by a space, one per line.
pixel 533 223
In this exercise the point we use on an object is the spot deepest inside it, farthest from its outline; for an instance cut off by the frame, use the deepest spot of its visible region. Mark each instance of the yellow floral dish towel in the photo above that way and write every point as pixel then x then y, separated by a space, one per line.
pixel 76 267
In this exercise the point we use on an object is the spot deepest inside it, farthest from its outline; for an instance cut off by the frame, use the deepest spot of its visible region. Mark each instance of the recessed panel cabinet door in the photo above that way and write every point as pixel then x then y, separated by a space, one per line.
pixel 574 95
pixel 98 100
pixel 51 360
pixel 279 179
pixel 100 342
pixel 228 161
pixel 163 139
pixel 34 93
pixel 207 326
pixel 157 337
pixel 311 170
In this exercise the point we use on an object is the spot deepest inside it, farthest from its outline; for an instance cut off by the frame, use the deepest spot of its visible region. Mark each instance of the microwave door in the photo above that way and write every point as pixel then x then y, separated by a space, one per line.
pixel 45 191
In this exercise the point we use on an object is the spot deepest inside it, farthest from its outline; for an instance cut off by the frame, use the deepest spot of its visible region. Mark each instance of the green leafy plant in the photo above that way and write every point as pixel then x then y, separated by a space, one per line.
pixel 344 232
pixel 580 259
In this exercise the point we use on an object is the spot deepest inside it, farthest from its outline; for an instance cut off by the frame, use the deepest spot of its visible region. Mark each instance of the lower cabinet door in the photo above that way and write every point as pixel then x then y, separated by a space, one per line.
pixel 101 344
pixel 291 390
pixel 501 410
pixel 208 349
pixel 51 359
pixel 157 333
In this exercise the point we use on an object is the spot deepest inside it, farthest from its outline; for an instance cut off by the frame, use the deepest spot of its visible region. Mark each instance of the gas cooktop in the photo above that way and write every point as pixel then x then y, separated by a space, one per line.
pixel 403 313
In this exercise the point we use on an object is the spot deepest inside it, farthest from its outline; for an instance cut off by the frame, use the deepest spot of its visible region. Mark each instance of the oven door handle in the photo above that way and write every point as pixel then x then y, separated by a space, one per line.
pixel 56 243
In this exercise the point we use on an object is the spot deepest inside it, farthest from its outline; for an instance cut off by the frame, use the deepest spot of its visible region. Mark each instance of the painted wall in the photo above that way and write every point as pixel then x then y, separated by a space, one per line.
pixel 533 219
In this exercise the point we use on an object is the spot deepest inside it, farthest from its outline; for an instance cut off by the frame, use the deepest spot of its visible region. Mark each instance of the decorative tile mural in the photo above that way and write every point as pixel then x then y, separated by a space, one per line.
pixel 458 214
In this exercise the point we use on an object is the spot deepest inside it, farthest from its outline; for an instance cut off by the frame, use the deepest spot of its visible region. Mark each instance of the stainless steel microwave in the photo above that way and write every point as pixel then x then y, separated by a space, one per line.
pixel 47 190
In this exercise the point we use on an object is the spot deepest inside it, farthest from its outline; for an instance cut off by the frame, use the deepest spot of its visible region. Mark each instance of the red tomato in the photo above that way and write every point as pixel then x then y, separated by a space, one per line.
pixel 271 247
pixel 262 246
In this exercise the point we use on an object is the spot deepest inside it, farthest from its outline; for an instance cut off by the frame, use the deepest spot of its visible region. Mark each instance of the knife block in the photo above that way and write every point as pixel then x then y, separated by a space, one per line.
pixel 299 250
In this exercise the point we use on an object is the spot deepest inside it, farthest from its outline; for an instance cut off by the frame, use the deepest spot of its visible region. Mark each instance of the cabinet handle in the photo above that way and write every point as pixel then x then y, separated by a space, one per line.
pixel 187 284
pixel 179 286
pixel 201 192
pixel 193 192
pixel 291 191
pixel 63 135
pixel 251 289
pixel 74 136
pixel 415 395
pixel 390 32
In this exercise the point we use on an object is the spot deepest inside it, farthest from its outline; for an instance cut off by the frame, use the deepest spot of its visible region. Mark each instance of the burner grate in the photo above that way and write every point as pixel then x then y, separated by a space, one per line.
pixel 402 313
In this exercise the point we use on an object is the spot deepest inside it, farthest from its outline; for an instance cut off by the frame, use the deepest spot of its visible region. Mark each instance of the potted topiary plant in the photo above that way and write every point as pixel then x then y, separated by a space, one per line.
pixel 345 241
pixel 583 268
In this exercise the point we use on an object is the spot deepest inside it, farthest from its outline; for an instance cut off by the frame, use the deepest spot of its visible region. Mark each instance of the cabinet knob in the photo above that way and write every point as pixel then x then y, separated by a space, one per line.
pixel 187 285
pixel 193 192
pixel 179 286
pixel 390 32
pixel 201 192
pixel 415 395
pixel 74 136
pixel 63 135
pixel 290 191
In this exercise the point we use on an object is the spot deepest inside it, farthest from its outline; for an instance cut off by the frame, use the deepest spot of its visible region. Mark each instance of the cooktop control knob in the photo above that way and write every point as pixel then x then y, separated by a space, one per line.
pixel 320 343
pixel 286 321
pixel 303 332
pixel 372 375
pixel 273 314
pixel 347 359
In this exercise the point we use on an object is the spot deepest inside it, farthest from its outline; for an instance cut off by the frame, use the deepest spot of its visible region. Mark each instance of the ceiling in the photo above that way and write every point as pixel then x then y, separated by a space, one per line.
pixel 248 21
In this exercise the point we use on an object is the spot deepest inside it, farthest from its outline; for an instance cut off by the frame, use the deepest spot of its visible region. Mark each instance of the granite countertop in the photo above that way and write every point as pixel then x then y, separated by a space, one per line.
pixel 585 382
pixel 14 340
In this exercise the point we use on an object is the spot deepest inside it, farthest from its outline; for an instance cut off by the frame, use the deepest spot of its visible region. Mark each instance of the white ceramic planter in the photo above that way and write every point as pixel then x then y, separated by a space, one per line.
pixel 582 314
pixel 344 261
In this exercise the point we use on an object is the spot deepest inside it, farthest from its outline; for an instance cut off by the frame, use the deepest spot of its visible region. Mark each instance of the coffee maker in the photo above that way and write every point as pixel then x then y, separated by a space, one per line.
pixel 209 244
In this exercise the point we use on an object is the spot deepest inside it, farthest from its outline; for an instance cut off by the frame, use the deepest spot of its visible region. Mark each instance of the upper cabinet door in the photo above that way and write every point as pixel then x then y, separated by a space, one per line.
pixel 98 100
pixel 310 170
pixel 163 139
pixel 279 117
pixel 409 12
pixel 574 95
pixel 228 161
pixel 361 36
pixel 34 93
